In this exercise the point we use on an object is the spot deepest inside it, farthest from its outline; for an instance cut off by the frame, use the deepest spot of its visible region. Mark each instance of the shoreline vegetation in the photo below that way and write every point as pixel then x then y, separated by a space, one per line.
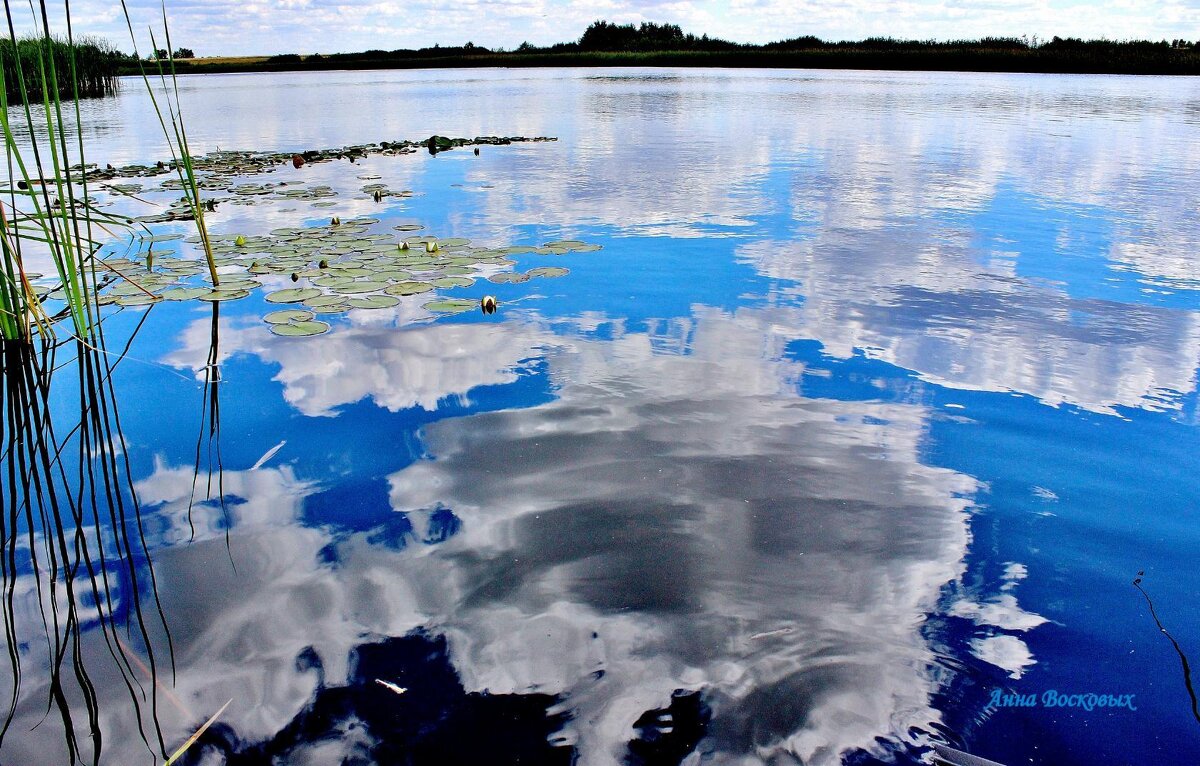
pixel 94 62
pixel 665 45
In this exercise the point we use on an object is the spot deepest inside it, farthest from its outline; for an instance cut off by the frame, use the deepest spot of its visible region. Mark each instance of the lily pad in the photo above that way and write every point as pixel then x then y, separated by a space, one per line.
pixel 450 306
pixel 333 281
pixel 354 288
pixel 374 302
pixel 238 283
pixel 224 294
pixel 332 308
pixel 285 316
pixel 303 328
pixel 447 282
pixel 184 293
pixel 508 278
pixel 548 271
pixel 408 288
pixel 324 301
pixel 292 295
pixel 141 299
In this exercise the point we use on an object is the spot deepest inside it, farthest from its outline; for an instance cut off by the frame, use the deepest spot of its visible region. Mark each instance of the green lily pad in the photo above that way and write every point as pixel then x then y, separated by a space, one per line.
pixel 450 306
pixel 238 283
pixel 447 282
pixel 354 288
pixel 284 316
pixel 333 281
pixel 184 293
pixel 141 299
pixel 128 288
pixel 548 271
pixel 292 295
pixel 223 294
pixel 408 288
pixel 374 302
pixel 508 278
pixel 332 308
pixel 297 329
pixel 567 243
pixel 324 301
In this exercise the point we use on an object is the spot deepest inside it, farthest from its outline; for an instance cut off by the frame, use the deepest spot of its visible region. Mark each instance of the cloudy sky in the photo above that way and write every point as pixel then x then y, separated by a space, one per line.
pixel 233 27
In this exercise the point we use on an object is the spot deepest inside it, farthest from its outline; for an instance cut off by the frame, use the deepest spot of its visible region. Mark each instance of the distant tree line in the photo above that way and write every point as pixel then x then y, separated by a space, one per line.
pixel 161 54
pixel 606 43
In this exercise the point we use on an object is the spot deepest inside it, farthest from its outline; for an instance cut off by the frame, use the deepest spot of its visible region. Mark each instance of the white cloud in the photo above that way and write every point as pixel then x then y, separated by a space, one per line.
pixel 222 27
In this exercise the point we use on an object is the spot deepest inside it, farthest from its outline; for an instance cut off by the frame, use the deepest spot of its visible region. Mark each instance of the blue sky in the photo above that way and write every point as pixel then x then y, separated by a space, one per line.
pixel 232 27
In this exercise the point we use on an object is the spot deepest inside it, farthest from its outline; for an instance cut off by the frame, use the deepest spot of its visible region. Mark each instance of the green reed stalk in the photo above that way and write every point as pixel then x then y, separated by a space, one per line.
pixel 55 225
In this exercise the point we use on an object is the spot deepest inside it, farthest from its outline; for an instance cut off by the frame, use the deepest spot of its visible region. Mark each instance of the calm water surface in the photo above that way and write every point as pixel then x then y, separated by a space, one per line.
pixel 878 397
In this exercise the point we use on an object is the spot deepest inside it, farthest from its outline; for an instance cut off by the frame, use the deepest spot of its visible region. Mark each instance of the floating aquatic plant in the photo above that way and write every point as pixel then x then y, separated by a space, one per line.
pixel 336 269
pixel 300 327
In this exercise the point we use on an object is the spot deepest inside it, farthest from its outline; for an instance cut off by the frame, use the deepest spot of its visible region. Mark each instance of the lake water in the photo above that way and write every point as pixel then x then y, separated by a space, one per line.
pixel 879 395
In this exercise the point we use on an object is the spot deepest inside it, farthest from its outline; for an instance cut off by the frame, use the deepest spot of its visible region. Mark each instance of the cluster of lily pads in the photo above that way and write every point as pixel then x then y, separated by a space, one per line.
pixel 336 267
pixel 252 193
pixel 236 163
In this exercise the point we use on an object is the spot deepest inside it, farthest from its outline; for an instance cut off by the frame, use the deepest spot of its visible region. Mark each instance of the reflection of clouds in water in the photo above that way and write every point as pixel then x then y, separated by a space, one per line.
pixel 676 159
pixel 1001 613
pixel 678 522
pixel 939 313
pixel 375 357
pixel 714 532
pixel 1006 652
pixel 218 623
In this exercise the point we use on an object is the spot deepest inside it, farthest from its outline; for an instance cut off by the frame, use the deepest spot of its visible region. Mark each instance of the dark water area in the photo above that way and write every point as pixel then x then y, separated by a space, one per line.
pixel 878 397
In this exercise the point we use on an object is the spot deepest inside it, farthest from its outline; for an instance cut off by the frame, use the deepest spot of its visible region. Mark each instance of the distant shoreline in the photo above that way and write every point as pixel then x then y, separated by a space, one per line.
pixel 941 59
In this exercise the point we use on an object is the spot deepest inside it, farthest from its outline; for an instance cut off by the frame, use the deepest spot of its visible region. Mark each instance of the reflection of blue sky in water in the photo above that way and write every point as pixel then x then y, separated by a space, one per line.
pixel 742 443
pixel 685 508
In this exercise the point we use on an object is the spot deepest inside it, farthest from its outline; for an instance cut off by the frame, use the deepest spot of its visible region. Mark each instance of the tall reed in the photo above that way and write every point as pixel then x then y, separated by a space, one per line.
pixel 70 521
pixel 96 64
pixel 48 208
pixel 72 541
